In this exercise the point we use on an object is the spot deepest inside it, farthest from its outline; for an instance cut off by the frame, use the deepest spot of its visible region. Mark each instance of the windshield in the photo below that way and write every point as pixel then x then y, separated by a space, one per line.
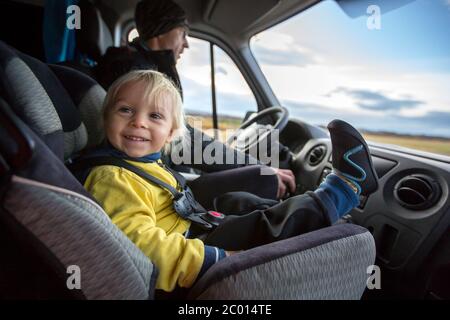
pixel 385 70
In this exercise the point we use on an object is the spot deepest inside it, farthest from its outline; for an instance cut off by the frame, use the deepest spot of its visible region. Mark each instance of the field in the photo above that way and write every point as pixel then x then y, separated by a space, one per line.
pixel 423 143
pixel 434 145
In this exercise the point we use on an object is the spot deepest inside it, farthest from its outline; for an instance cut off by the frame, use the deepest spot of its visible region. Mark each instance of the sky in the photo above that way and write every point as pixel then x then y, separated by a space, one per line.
pixel 234 96
pixel 323 64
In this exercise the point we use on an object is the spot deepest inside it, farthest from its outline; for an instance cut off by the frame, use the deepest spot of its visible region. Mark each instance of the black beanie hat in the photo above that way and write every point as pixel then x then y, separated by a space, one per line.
pixel 156 17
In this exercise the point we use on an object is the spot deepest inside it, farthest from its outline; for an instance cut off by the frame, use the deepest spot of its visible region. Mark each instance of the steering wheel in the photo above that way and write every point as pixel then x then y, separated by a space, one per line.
pixel 250 133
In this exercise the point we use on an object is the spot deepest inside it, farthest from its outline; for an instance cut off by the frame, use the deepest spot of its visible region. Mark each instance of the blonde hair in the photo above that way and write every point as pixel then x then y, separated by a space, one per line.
pixel 159 88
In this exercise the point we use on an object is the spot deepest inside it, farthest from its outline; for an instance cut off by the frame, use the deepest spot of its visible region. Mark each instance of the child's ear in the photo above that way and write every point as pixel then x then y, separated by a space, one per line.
pixel 170 136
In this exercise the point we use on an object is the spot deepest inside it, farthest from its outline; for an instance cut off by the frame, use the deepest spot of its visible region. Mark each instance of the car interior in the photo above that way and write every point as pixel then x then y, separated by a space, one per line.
pixel 50 111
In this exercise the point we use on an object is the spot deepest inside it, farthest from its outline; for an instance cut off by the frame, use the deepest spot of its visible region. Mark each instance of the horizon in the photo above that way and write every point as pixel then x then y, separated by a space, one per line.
pixel 390 80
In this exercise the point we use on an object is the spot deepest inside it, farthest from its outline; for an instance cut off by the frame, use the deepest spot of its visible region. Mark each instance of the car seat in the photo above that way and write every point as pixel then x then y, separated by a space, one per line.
pixel 48 114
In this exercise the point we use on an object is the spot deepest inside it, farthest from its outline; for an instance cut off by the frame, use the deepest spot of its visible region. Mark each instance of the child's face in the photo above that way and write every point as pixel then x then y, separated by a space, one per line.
pixel 135 125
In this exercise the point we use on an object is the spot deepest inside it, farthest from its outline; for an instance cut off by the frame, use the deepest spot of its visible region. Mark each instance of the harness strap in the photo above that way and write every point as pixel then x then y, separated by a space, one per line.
pixel 103 161
pixel 184 203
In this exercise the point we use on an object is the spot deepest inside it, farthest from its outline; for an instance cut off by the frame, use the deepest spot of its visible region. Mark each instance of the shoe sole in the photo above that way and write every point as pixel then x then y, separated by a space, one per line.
pixel 344 127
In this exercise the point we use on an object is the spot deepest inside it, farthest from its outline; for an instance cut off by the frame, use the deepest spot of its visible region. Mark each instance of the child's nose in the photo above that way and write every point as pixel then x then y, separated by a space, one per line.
pixel 139 121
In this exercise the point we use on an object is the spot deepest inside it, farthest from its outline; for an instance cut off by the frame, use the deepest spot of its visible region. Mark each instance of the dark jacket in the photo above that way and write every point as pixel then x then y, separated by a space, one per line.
pixel 119 61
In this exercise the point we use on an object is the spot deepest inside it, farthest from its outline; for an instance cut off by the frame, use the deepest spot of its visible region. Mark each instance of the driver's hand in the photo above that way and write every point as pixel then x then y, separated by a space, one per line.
pixel 230 253
pixel 286 182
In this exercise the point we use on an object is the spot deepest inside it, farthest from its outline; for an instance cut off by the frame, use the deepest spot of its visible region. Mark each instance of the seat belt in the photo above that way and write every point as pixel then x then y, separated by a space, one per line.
pixel 184 202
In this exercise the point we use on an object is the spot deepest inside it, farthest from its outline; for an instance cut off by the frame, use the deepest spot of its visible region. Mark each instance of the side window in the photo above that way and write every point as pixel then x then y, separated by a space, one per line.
pixel 194 69
pixel 232 95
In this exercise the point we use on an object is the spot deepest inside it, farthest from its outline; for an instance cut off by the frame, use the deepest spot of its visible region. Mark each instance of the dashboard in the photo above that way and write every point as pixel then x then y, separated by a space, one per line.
pixel 407 215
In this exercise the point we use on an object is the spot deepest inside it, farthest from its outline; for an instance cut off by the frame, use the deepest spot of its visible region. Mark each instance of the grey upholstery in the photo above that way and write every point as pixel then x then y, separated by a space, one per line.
pixel 88 97
pixel 90 109
pixel 38 97
pixel 27 91
pixel 326 264
pixel 79 233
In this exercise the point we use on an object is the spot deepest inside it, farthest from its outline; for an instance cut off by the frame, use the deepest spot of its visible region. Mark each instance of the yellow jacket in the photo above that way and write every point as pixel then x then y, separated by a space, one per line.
pixel 144 212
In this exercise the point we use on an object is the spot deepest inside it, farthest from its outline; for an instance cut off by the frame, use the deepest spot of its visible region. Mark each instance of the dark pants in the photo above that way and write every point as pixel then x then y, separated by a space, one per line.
pixel 247 179
pixel 252 221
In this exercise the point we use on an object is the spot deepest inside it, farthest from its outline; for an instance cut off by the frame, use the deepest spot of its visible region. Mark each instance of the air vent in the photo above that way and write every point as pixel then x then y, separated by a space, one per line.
pixel 316 155
pixel 417 192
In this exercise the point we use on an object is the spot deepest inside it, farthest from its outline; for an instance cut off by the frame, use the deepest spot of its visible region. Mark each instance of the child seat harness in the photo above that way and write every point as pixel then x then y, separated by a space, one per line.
pixel 184 202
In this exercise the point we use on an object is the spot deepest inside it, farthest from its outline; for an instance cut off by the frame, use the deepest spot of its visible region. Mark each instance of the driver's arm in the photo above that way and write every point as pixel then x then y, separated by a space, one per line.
pixel 203 146
pixel 286 178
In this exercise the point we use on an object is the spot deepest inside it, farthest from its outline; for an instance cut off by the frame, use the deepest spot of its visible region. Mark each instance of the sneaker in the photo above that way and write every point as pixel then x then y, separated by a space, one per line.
pixel 351 157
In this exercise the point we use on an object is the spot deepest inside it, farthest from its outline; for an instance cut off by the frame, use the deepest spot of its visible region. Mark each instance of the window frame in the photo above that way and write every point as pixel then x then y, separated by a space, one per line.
pixel 230 53
pixel 248 67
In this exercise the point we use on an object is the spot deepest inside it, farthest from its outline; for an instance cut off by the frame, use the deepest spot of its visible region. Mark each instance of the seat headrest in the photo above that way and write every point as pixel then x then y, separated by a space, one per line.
pixel 38 97
pixel 94 38
pixel 88 96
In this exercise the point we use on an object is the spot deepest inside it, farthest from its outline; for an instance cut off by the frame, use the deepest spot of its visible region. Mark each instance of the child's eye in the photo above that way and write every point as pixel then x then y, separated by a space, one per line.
pixel 126 110
pixel 156 116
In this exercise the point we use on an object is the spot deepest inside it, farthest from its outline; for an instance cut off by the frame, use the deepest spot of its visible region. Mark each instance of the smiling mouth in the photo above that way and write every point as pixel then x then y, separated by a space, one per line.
pixel 136 139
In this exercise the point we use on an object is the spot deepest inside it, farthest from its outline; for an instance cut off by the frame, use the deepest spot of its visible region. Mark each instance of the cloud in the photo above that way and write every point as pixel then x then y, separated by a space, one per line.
pixel 434 123
pixel 280 49
pixel 221 70
pixel 433 119
pixel 282 57
pixel 197 55
pixel 377 101
pixel 197 98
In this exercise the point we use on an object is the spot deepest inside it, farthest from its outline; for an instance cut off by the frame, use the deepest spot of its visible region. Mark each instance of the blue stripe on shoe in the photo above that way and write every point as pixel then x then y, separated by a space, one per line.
pixel 361 170
pixel 354 179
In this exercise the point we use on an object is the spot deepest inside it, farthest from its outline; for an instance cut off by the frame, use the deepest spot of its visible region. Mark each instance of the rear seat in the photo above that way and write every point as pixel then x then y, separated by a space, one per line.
pixel 48 114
